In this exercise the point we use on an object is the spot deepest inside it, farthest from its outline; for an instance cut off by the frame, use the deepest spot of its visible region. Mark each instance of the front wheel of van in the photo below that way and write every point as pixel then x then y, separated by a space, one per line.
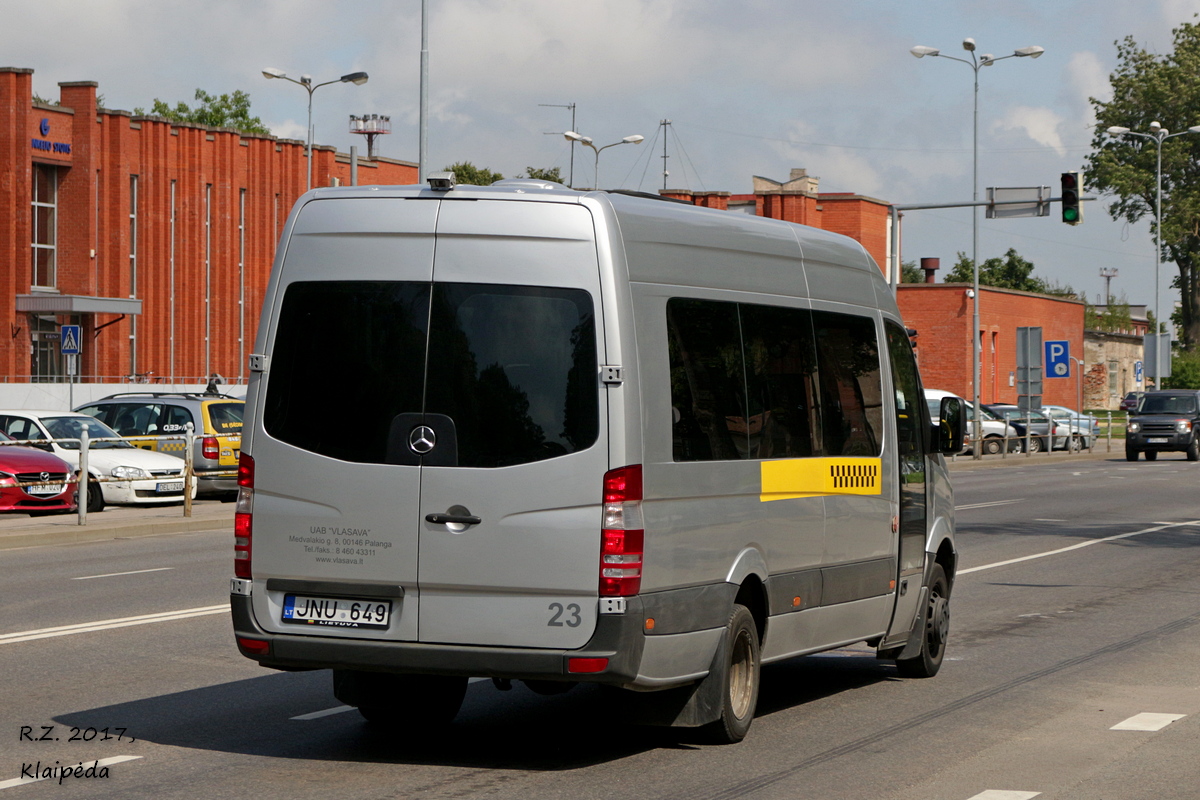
pixel 740 681
pixel 937 628
pixel 418 701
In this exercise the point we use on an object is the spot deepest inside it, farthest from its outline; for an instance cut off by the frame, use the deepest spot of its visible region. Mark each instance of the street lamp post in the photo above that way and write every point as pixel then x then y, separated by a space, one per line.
pixel 572 136
pixel 357 78
pixel 986 60
pixel 1158 134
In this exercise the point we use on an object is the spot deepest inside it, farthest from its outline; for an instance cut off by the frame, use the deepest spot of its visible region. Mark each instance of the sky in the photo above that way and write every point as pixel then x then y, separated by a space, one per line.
pixel 752 87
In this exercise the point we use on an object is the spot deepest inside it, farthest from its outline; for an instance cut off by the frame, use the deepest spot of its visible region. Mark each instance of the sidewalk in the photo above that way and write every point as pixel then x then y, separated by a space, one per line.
pixel 1099 453
pixel 114 522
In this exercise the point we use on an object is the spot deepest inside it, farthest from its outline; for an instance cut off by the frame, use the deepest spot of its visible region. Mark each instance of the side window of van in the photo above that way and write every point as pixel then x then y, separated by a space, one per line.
pixel 708 381
pixel 754 381
pixel 850 385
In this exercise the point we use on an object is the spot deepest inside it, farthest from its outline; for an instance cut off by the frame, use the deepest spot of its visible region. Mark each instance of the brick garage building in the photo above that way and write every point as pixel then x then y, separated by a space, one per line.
pixel 942 314
pixel 157 237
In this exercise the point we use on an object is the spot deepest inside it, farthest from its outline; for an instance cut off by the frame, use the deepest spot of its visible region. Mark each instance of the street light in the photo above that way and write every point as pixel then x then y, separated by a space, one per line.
pixel 1157 134
pixel 986 60
pixel 572 136
pixel 357 78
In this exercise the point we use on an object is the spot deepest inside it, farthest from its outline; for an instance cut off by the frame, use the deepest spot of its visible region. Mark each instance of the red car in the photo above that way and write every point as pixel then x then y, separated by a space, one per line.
pixel 33 481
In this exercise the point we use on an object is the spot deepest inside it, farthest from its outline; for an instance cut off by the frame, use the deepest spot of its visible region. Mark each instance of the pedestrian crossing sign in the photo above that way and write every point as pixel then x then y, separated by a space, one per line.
pixel 69 339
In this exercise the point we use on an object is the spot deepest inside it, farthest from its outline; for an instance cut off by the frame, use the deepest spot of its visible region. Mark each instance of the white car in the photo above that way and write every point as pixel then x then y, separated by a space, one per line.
pixel 995 430
pixel 1084 428
pixel 122 473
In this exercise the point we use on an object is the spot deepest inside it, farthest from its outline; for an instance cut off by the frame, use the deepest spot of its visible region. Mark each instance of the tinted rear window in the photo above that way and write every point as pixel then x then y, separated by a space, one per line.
pixel 513 367
pixel 226 417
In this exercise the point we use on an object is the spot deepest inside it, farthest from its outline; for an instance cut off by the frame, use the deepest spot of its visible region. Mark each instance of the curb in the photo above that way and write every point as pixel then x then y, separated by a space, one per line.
pixel 36 536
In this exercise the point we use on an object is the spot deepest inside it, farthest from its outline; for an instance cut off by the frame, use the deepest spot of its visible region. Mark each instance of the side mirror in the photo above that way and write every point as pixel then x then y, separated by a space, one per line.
pixel 950 432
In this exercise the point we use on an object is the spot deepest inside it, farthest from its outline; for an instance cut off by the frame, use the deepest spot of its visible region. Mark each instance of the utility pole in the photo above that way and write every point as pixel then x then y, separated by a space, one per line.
pixel 1108 274
pixel 571 174
pixel 665 124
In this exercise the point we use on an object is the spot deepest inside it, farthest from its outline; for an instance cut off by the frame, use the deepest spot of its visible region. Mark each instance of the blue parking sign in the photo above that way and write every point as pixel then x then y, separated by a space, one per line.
pixel 1058 359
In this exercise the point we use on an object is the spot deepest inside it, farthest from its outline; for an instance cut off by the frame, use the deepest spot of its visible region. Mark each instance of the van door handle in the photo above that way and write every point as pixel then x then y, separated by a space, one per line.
pixel 454 519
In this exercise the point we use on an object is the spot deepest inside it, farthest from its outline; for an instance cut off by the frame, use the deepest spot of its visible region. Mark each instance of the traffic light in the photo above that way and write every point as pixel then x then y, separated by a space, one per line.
pixel 1072 211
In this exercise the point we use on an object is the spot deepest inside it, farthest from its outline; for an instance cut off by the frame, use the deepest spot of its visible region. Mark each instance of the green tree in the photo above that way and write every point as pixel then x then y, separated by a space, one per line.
pixel 1149 87
pixel 911 273
pixel 216 111
pixel 467 173
pixel 551 174
pixel 1185 371
pixel 1010 272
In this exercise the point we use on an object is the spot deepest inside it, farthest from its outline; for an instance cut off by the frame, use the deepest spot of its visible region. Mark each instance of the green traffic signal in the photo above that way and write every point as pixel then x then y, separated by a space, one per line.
pixel 1072 211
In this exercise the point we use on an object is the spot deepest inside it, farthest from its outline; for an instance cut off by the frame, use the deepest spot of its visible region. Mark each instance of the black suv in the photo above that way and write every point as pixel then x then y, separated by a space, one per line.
pixel 1164 420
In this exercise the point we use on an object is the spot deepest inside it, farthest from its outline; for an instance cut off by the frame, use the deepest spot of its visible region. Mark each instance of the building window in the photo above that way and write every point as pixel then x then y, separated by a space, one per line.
pixel 45 225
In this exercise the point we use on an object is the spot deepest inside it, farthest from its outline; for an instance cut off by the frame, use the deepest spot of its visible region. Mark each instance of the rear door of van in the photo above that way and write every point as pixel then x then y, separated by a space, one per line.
pixel 513 376
pixel 435 421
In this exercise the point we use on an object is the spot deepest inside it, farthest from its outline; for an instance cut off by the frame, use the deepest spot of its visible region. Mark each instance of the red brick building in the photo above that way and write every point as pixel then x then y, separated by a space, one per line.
pixel 942 315
pixel 156 237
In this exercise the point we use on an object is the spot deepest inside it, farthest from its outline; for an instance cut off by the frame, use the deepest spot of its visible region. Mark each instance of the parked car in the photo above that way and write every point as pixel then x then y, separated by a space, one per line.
pixel 216 419
pixel 33 481
pixel 995 430
pixel 1131 400
pixel 1084 428
pixel 1165 421
pixel 131 475
pixel 1044 433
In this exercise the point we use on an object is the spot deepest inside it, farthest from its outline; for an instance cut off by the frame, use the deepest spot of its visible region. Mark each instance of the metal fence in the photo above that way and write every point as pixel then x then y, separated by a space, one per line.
pixel 190 473
pixel 1106 428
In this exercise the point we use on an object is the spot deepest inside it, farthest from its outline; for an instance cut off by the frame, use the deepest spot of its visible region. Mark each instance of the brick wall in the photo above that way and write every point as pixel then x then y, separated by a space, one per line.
pixel 211 204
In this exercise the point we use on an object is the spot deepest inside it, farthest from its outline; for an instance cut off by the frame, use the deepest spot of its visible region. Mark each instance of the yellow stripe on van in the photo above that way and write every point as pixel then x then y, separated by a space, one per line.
pixel 815 477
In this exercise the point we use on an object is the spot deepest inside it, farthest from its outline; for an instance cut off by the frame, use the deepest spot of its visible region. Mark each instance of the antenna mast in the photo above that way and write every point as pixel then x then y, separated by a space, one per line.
pixel 665 123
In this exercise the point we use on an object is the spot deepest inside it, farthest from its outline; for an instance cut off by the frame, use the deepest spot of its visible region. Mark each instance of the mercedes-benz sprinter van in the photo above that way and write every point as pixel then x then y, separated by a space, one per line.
pixel 524 432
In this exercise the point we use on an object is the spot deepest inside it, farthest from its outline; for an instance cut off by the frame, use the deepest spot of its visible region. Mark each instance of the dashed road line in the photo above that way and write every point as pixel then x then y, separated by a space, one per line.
pixel 329 712
pixel 96 764
pixel 988 505
pixel 1003 794
pixel 117 574
pixel 1157 527
pixel 1147 722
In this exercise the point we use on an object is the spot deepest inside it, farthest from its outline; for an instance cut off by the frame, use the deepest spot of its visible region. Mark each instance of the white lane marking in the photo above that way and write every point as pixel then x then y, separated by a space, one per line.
pixel 1050 520
pixel 109 624
pixel 477 680
pixel 116 574
pixel 1147 722
pixel 103 762
pixel 1003 794
pixel 329 712
pixel 1089 543
pixel 985 505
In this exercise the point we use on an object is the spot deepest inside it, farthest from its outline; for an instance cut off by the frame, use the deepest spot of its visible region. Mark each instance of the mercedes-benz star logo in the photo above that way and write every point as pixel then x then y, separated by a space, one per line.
pixel 422 439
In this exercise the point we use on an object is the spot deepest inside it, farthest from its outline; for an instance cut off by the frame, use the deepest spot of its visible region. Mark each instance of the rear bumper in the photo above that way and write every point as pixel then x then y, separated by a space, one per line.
pixel 618 637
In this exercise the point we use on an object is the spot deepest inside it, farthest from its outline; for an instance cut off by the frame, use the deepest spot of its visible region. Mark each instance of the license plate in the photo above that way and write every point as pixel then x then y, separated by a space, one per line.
pixel 173 486
pixel 1157 440
pixel 45 489
pixel 336 612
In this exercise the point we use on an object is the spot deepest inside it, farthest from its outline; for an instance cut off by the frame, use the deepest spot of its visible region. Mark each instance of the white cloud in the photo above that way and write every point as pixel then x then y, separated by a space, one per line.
pixel 1040 124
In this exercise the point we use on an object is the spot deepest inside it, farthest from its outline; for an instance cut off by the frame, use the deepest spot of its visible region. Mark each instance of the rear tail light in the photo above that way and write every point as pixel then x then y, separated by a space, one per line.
pixel 622 541
pixel 210 448
pixel 243 516
pixel 586 665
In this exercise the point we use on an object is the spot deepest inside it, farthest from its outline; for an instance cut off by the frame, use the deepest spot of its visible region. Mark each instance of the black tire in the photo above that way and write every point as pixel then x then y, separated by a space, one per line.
pixel 95 498
pixel 992 445
pixel 420 702
pixel 1035 444
pixel 936 621
pixel 1193 451
pixel 740 677
pixel 1151 455
pixel 1074 444
pixel 1131 454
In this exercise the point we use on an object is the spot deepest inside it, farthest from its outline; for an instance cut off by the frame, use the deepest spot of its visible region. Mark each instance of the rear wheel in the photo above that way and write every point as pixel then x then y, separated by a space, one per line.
pixel 740 679
pixel 937 628
pixel 420 701
pixel 992 445
pixel 1035 444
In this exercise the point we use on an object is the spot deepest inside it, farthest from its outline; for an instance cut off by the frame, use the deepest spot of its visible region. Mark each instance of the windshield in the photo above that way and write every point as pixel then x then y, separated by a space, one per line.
pixel 1167 404
pixel 72 428
pixel 1018 414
